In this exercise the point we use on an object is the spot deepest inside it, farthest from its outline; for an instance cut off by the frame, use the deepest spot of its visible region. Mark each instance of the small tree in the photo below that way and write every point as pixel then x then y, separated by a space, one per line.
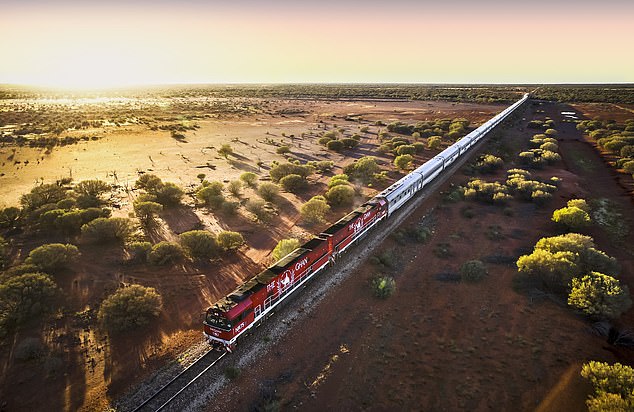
pixel 148 182
pixel 284 247
pixel 53 256
pixel 315 210
pixel 599 295
pixel 130 308
pixel 108 229
pixel 139 251
pixel 211 195
pixel 293 183
pixel 571 217
pixel 199 244
pixel 364 168
pixel 403 162
pixel 90 192
pixel 235 188
pixel 25 296
pixel 169 194
pixel 268 191
pixel 230 240
pixel 225 150
pixel 249 178
pixel 9 217
pixel 147 211
pixel 42 195
pixel 406 149
pixel 282 150
pixel 337 180
pixel 165 252
pixel 341 195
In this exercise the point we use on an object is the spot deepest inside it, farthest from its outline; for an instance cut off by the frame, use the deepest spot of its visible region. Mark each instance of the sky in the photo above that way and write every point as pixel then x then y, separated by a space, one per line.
pixel 89 43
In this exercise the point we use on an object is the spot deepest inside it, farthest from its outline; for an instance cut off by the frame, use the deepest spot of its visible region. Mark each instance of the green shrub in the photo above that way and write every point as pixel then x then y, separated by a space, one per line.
pixel 315 210
pixel 322 166
pixel 616 380
pixel 336 145
pixel 211 196
pixel 165 252
pixel 235 188
pixel 433 142
pixel 268 191
pixel 169 194
pixel 259 208
pixel 473 271
pixel 599 296
pixel 108 229
pixel 230 240
pixel 489 163
pixel 148 182
pixel 383 286
pixel 130 308
pixel 282 150
pixel 336 180
pixel 293 183
pixel 139 251
pixel 230 208
pixel 9 217
pixel 90 191
pixel 146 211
pixel 571 217
pixel 199 243
pixel 24 297
pixel 364 168
pixel 403 162
pixel 42 195
pixel 284 247
pixel 406 149
pixel 225 150
pixel 249 178
pixel 53 256
pixel 278 171
pixel 341 195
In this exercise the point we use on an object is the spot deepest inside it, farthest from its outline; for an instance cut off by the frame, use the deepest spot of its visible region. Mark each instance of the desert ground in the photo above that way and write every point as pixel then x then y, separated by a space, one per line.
pixel 85 368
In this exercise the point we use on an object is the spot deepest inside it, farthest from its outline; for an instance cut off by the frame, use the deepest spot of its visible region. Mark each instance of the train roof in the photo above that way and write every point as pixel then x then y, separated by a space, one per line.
pixel 341 223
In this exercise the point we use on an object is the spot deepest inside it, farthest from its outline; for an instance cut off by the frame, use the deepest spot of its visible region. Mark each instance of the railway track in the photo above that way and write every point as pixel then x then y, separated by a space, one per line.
pixel 165 398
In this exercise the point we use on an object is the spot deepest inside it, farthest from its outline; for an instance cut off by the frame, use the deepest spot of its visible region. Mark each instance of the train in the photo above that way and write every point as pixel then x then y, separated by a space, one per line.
pixel 252 302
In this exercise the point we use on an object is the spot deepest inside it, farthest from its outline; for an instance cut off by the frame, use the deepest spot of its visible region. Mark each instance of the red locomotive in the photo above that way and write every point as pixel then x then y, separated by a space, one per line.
pixel 245 307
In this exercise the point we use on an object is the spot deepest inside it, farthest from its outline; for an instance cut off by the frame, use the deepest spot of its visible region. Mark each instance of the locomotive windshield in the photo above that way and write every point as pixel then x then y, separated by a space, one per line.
pixel 218 321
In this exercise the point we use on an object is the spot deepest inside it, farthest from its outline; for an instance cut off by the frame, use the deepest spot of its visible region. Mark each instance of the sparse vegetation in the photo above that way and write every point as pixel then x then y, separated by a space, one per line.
pixel 473 271
pixel 228 240
pixel 108 229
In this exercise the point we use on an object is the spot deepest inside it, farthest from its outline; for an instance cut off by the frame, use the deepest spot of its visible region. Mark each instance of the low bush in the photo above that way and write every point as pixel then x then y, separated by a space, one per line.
pixel 599 296
pixel 130 308
pixel 572 218
pixel 473 271
pixel 383 286
pixel 53 256
pixel 293 183
pixel 341 195
pixel 249 178
pixel 404 162
pixel 315 210
pixel 229 240
pixel 199 244
pixel 268 191
pixel 164 253
pixel 139 251
pixel 108 229
pixel 24 297
pixel 260 209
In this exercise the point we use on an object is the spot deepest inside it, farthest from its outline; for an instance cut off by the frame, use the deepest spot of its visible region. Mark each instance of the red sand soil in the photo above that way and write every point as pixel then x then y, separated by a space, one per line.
pixel 85 370
pixel 437 345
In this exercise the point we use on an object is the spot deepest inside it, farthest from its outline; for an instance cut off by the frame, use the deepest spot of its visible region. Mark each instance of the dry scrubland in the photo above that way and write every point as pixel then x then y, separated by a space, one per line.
pixel 114 183
pixel 150 189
